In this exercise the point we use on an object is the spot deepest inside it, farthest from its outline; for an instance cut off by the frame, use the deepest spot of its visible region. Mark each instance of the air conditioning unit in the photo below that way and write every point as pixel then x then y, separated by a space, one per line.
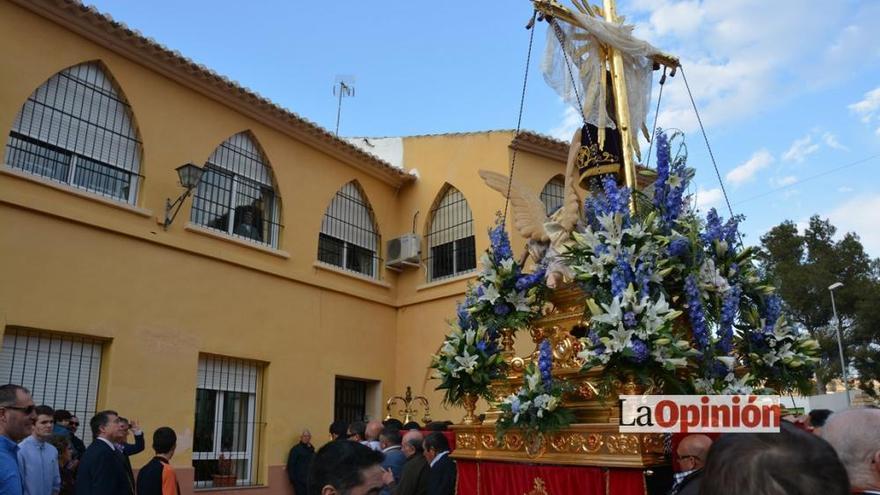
pixel 404 251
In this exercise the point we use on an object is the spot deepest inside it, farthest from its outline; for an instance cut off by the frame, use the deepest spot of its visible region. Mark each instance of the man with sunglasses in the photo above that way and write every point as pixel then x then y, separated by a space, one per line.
pixel 691 456
pixel 17 416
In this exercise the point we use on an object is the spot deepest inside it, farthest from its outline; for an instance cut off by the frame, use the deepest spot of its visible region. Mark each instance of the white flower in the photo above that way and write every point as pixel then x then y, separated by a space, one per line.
pixel 533 380
pixel 507 264
pixel 466 362
pixel 552 403
pixel 613 313
pixel 448 349
pixel 540 413
pixel 728 361
pixel 469 337
pixel 709 275
pixel 490 293
pixel 520 301
pixel 621 338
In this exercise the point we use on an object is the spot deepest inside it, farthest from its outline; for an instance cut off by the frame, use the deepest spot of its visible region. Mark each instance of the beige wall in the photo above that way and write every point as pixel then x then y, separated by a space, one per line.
pixel 73 263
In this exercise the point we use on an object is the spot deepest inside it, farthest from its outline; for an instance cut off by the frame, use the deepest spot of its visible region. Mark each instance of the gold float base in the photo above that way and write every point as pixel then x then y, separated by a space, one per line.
pixel 598 445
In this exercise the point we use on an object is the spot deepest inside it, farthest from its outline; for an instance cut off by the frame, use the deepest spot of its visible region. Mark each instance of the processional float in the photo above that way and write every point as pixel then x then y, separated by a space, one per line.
pixel 593 332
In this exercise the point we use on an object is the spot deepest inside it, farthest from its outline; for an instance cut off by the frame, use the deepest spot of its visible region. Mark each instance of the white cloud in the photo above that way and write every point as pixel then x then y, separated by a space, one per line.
pixel 761 159
pixel 786 181
pixel 868 107
pixel 571 121
pixel 745 56
pixel 800 149
pixel 707 198
pixel 831 141
pixel 859 215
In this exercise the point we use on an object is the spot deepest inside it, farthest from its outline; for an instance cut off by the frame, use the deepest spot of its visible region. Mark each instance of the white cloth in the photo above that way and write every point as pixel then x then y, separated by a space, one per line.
pixel 583 47
pixel 438 456
pixel 373 444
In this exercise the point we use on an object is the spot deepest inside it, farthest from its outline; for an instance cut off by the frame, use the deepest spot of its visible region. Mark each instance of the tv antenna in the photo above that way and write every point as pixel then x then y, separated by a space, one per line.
pixel 342 88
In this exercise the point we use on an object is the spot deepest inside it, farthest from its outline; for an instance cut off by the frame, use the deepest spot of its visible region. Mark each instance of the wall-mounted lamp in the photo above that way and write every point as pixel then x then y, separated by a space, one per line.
pixel 189 175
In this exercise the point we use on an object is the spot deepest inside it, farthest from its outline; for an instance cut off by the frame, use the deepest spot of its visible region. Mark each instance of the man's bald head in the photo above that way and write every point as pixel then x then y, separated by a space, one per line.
pixel 692 451
pixel 374 428
pixel 412 443
pixel 855 435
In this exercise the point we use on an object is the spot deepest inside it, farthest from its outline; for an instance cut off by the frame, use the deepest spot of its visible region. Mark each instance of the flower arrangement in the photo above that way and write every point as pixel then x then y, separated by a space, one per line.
pixel 468 361
pixel 504 296
pixel 536 406
pixel 676 300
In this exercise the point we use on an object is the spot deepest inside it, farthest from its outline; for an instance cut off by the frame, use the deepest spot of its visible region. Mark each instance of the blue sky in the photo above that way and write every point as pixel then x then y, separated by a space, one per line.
pixel 788 89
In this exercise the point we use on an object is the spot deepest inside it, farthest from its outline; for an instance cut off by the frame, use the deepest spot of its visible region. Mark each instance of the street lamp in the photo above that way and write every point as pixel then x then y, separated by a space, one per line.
pixel 831 288
pixel 189 176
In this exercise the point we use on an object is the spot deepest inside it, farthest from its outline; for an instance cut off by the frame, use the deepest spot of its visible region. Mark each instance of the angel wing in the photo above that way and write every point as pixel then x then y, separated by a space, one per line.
pixel 529 215
pixel 569 214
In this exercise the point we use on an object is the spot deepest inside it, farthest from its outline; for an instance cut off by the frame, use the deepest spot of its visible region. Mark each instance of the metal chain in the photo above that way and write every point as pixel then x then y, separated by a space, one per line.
pixel 522 102
pixel 656 114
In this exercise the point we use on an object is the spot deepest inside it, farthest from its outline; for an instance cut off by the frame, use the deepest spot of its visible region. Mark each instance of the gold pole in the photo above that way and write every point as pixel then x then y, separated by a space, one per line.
pixel 621 105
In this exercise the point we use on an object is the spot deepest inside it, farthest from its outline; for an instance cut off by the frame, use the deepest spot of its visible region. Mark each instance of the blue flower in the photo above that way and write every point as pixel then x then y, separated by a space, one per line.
pixel 640 350
pixel 644 271
pixel 465 321
pixel 679 247
pixel 729 307
pixel 501 308
pixel 481 346
pixel 529 280
pixel 500 243
pixel 621 276
pixel 695 312
pixel 714 230
pixel 662 169
pixel 545 363
pixel 771 311
pixel 629 319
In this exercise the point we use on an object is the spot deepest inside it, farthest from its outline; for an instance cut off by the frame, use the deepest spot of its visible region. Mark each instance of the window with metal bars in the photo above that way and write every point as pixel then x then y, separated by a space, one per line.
pixel 227 423
pixel 451 242
pixel 349 238
pixel 236 194
pixel 553 194
pixel 351 400
pixel 60 371
pixel 77 129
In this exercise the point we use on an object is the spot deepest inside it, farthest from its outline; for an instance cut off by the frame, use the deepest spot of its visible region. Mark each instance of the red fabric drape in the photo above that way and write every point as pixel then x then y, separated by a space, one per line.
pixel 503 478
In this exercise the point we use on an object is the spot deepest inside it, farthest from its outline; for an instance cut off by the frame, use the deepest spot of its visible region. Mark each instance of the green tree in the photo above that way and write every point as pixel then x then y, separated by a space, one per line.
pixel 802 266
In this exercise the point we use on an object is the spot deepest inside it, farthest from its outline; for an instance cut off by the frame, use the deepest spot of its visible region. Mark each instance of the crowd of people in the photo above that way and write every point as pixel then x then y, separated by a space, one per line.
pixel 389 458
pixel 824 453
pixel 40 453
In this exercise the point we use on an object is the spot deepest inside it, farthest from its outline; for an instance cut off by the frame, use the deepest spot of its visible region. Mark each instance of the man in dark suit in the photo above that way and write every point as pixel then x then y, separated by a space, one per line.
pixel 298 462
pixel 442 476
pixel 102 468
pixel 415 472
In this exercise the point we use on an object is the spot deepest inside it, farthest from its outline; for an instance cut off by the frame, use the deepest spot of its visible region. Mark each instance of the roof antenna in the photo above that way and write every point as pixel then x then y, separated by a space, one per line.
pixel 343 87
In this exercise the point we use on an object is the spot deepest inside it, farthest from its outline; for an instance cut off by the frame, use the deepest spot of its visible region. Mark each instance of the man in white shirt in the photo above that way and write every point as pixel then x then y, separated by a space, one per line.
pixel 38 459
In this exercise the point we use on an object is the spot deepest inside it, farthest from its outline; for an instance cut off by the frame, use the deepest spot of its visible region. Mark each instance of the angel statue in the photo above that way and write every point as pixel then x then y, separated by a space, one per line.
pixel 546 237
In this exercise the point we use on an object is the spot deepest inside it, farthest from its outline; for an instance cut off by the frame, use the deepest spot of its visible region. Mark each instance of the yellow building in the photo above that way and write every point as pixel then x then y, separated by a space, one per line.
pixel 270 303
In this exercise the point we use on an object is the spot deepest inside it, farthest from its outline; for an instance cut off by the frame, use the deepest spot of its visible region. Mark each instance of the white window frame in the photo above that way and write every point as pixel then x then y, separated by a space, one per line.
pixel 431 235
pixel 371 229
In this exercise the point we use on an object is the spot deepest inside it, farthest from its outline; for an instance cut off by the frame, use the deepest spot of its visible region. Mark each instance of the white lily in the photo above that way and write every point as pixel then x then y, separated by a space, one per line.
pixel 490 293
pixel 533 380
pixel 448 349
pixel 466 362
pixel 621 338
pixel 469 337
pixel 507 264
pixel 520 301
pixel 728 361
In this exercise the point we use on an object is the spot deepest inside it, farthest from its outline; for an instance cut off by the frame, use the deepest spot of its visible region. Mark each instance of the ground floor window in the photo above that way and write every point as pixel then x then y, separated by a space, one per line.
pixel 61 371
pixel 351 400
pixel 227 422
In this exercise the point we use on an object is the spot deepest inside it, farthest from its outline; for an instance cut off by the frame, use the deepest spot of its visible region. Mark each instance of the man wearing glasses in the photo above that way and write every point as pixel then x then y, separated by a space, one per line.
pixel 691 456
pixel 17 416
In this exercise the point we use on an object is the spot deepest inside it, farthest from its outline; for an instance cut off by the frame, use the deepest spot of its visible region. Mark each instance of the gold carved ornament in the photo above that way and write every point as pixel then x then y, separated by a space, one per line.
pixel 538 488
pixel 408 410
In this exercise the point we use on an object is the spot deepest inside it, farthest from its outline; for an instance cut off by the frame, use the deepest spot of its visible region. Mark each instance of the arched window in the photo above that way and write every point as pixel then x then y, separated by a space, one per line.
pixel 349 238
pixel 451 243
pixel 553 194
pixel 236 194
pixel 77 129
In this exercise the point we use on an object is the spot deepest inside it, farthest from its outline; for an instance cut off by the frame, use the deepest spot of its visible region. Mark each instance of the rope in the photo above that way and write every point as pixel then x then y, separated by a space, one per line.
pixel 706 139
pixel 656 114
pixel 522 102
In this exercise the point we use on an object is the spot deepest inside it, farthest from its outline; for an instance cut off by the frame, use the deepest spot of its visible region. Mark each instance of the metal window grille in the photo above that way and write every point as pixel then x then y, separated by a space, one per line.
pixel 553 194
pixel 227 422
pixel 236 194
pixel 451 242
pixel 77 129
pixel 349 238
pixel 60 371
pixel 351 400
